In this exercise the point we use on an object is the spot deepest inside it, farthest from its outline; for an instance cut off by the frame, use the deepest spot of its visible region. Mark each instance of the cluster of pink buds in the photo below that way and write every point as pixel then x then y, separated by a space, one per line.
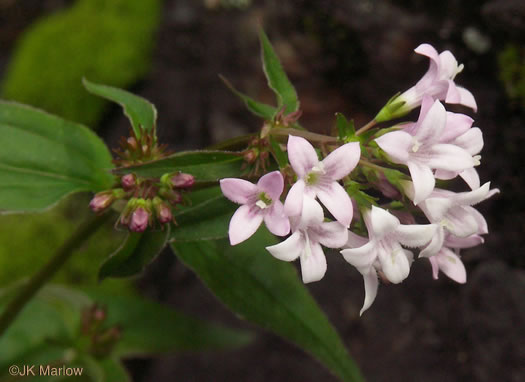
pixel 149 201
pixel 100 339
pixel 349 199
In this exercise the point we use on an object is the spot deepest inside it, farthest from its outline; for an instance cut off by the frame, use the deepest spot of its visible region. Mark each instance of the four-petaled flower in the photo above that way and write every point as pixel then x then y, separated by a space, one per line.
pixel 309 232
pixel 320 178
pixel 259 202
pixel 419 147
pixel 383 251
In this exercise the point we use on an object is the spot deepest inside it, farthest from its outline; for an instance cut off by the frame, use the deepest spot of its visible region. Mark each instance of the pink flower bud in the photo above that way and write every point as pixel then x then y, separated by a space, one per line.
pixel 139 220
pixel 101 201
pixel 164 213
pixel 128 181
pixel 132 143
pixel 182 180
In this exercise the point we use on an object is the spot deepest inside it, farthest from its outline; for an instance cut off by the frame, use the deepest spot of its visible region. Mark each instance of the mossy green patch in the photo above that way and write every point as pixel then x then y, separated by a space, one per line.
pixel 107 41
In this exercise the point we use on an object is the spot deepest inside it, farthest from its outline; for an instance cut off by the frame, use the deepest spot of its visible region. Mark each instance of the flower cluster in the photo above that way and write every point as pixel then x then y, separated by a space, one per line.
pixel 354 177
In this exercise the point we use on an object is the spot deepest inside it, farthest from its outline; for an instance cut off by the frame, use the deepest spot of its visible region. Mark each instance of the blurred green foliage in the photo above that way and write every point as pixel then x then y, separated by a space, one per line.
pixel 109 41
pixel 30 240
pixel 512 71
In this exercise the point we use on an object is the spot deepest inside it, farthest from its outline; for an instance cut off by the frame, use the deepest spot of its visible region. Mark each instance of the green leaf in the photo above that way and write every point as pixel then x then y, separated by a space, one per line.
pixel 345 129
pixel 113 371
pixel 277 78
pixel 140 112
pixel 361 198
pixel 45 158
pixel 280 157
pixel 206 219
pixel 135 253
pixel 205 166
pixel 150 328
pixel 260 109
pixel 268 292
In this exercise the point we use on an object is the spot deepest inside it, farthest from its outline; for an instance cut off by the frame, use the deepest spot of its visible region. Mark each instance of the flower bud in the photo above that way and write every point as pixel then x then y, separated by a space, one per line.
pixel 139 220
pixel 101 201
pixel 163 210
pixel 132 143
pixel 182 180
pixel 250 156
pixel 128 181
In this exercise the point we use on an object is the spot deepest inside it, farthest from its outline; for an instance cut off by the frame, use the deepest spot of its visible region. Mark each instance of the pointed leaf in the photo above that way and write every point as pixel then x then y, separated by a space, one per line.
pixel 280 157
pixel 260 109
pixel 345 129
pixel 44 158
pixel 277 78
pixel 205 166
pixel 135 253
pixel 268 292
pixel 140 112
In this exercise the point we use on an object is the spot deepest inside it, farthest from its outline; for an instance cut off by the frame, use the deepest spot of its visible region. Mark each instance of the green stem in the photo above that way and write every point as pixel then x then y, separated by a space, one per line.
pixel 314 137
pixel 364 162
pixel 33 285
pixel 366 127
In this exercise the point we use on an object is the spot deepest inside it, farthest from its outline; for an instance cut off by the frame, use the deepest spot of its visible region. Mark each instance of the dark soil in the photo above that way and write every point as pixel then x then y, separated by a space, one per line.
pixel 347 56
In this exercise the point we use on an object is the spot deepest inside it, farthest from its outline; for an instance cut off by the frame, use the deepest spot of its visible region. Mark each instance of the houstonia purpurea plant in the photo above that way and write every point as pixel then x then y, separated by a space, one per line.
pixel 375 194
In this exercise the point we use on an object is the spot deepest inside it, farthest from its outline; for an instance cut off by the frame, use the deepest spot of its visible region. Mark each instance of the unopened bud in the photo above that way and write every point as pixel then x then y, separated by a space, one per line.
pixel 128 181
pixel 250 156
pixel 139 220
pixel 101 201
pixel 182 180
pixel 132 143
pixel 164 213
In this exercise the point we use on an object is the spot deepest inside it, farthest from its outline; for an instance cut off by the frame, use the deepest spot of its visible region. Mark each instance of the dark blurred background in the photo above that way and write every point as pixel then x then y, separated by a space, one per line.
pixel 346 56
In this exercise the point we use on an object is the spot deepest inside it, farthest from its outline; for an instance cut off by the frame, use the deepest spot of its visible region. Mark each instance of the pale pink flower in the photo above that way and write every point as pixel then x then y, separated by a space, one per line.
pixel 419 147
pixel 320 178
pixel 383 251
pixel 438 81
pixel 309 232
pixel 259 202
pixel 452 212
pixel 450 264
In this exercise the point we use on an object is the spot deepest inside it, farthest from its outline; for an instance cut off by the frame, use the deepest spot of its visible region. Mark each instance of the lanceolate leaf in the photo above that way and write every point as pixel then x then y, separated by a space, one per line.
pixel 205 166
pixel 137 251
pixel 268 292
pixel 139 111
pixel 277 78
pixel 43 158
pixel 260 109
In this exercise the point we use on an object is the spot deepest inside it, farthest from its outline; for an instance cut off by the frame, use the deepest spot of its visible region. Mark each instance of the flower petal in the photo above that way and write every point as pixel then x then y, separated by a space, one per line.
pixel 471 177
pixel 448 157
pixel 415 235
pixel 312 214
pixel 436 208
pixel 238 190
pixel 457 124
pixel 244 223
pixel 276 221
pixel 422 180
pixel 471 141
pixel 302 155
pixel 336 200
pixel 467 99
pixel 453 95
pixel 340 162
pixel 293 205
pixel 462 221
pixel 313 263
pixel 332 235
pixel 362 258
pixel 371 284
pixel 394 263
pixel 272 184
pixel 435 267
pixel 380 222
pixel 396 144
pixel 290 249
pixel 473 197
pixel 448 67
pixel 435 244
pixel 463 242
pixel 432 124
pixel 451 265
pixel 430 76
